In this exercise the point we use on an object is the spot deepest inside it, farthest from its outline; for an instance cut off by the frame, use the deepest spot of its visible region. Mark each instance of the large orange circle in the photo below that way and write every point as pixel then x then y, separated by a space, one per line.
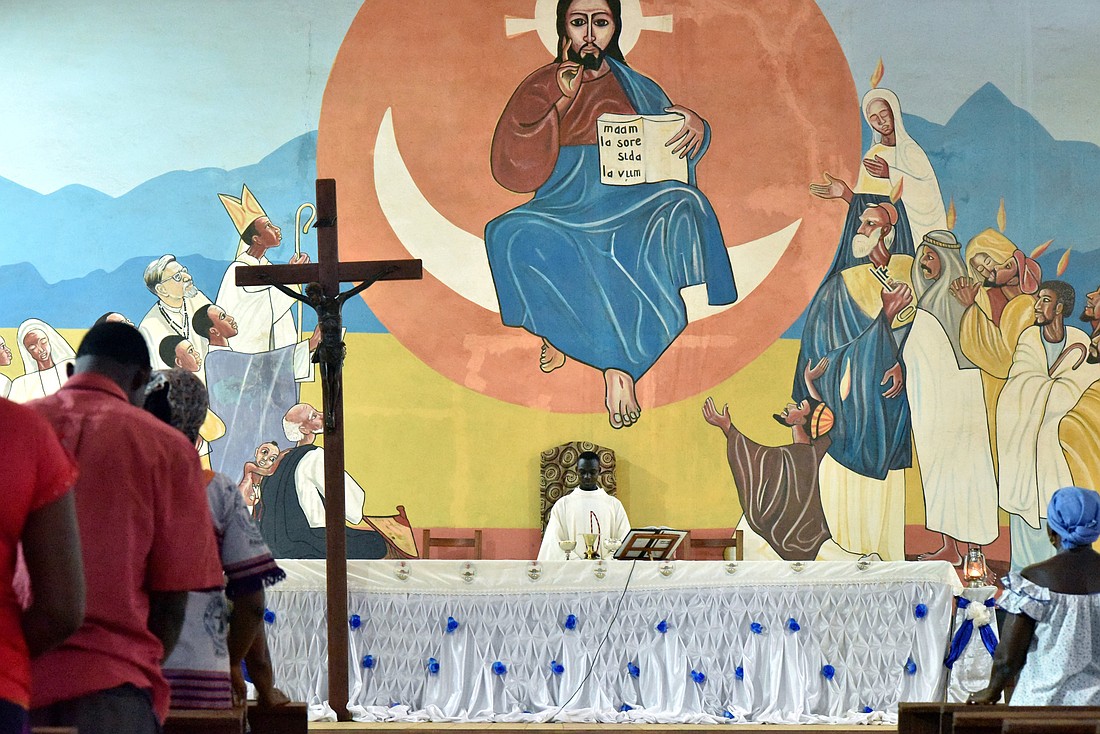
pixel 768 75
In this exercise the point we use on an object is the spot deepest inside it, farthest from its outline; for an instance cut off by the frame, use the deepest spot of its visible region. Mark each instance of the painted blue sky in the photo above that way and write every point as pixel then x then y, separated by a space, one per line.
pixel 111 94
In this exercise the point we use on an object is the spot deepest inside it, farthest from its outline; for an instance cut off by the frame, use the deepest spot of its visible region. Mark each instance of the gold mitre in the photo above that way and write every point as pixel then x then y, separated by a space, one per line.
pixel 243 211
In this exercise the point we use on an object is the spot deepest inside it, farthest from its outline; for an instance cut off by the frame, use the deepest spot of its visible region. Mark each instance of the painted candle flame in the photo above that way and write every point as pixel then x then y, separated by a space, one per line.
pixel 1002 218
pixel 878 73
pixel 951 215
pixel 1063 263
pixel 846 380
pixel 1040 249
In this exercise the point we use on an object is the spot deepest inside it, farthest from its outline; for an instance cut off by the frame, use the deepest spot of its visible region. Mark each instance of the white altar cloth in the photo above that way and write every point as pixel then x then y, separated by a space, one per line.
pixel 710 642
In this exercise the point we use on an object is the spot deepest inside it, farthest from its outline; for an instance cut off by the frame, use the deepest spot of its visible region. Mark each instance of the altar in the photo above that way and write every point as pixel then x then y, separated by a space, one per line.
pixel 642 642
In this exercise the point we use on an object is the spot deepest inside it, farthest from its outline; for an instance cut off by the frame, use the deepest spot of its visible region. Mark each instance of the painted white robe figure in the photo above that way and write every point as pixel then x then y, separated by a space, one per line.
pixel 155 325
pixel 909 165
pixel 38 383
pixel 572 515
pixel 264 317
pixel 1032 464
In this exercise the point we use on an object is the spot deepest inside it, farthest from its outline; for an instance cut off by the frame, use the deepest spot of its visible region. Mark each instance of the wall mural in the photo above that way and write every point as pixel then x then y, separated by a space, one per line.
pixel 626 211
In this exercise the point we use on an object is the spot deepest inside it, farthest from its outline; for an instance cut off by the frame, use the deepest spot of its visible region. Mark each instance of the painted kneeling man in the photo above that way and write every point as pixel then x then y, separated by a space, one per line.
pixel 587 509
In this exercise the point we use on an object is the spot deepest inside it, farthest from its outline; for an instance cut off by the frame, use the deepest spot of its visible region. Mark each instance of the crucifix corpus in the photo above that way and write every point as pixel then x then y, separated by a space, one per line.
pixel 322 293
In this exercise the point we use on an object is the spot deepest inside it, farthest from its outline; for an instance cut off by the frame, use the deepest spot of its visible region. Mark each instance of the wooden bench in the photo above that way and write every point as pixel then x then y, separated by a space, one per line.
pixel 1050 726
pixel 959 718
pixel 289 719
pixel 201 721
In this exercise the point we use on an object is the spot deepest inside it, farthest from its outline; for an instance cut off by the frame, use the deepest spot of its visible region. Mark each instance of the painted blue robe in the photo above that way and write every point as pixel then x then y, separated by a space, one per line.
pixel 872 433
pixel 597 269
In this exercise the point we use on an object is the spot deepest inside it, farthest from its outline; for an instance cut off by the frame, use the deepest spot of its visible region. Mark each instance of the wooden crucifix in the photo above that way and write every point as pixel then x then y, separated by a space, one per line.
pixel 322 293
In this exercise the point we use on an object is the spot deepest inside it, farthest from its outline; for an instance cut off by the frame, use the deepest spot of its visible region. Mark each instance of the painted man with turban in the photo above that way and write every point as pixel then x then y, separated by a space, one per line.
pixel 778 485
pixel 945 397
pixel 998 296
pixel 1051 630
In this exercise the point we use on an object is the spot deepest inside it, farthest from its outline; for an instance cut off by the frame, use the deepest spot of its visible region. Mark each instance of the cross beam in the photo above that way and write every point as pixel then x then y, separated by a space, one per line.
pixel 323 295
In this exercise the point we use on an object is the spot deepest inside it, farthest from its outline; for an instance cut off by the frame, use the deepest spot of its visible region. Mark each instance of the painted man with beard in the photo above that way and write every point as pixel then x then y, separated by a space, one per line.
pixel 1079 431
pixel 291 511
pixel 596 270
pixel 860 324
pixel 1048 376
pixel 177 299
pixel 945 397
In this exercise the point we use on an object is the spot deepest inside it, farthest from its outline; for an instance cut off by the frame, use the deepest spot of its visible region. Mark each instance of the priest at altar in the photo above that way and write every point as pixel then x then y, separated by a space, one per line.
pixel 587 509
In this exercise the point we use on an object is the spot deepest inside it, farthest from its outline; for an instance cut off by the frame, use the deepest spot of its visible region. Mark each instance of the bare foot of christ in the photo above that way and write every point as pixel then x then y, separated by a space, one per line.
pixel 947 552
pixel 550 358
pixel 622 404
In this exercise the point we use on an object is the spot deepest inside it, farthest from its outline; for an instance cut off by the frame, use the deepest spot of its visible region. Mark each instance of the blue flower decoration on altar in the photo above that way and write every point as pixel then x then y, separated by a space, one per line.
pixel 452 625
pixel 368 661
pixel 739 673
pixel 499 668
pixel 920 611
pixel 662 626
pixel 556 667
pixel 355 621
pixel 828 671
pixel 727 714
pixel 571 622
pixel 756 628
pixel 633 669
pixel 793 625
pixel 433 666
pixel 910 667
pixel 626 707
pixel 699 676
pixel 868 710
pixel 269 616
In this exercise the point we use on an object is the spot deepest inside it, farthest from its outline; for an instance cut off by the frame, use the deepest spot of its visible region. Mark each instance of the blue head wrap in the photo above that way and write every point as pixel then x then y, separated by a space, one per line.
pixel 1074 514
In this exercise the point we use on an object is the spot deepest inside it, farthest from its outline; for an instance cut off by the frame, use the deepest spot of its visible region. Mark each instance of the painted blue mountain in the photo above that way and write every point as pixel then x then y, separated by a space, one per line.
pixel 73 254
pixel 78 302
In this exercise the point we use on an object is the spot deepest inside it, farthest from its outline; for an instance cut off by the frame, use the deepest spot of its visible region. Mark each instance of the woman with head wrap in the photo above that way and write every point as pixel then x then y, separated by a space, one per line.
pixel 1053 626
pixel 204 669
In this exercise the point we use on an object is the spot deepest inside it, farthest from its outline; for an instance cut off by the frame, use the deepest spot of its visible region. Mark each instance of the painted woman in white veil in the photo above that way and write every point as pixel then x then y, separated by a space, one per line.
pixel 895 157
pixel 46 356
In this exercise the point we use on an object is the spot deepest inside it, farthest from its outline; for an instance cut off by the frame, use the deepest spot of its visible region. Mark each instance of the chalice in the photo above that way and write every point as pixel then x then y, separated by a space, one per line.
pixel 567 546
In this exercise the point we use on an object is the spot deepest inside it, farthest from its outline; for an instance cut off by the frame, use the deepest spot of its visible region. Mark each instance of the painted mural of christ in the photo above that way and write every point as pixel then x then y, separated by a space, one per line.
pixel 596 270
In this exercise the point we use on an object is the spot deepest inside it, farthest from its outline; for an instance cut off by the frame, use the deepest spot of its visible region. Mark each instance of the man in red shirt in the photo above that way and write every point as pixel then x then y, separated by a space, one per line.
pixel 147 536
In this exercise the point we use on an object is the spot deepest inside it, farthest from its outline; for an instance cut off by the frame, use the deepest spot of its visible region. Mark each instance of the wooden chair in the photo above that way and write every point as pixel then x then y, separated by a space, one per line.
pixel 558 473
pixel 692 545
pixel 451 542
pixel 959 718
pixel 1050 726
pixel 289 719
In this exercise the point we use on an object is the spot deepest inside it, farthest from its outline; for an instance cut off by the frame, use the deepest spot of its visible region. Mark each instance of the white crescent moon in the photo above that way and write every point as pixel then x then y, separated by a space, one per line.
pixel 458 260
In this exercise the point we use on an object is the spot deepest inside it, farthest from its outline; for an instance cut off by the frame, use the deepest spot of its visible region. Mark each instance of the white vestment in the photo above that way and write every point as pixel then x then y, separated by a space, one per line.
pixel 264 319
pixel 154 327
pixel 1032 464
pixel 951 435
pixel 5 386
pixel 309 483
pixel 572 515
